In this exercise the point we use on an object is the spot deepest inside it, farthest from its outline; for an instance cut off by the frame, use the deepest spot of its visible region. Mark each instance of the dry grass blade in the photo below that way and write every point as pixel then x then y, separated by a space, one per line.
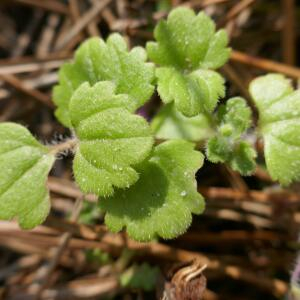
pixel 19 85
pixel 52 5
pixel 265 64
pixel 288 32
pixel 45 272
pixel 86 19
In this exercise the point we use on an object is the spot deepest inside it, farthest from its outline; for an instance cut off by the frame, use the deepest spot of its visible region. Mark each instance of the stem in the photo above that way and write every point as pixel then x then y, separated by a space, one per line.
pixel 66 145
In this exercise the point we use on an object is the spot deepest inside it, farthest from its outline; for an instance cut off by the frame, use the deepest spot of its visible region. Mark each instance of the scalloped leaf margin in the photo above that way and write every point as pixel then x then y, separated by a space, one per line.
pixel 279 123
pixel 24 165
pixel 161 203
pixel 188 49
pixel 112 140
pixel 97 60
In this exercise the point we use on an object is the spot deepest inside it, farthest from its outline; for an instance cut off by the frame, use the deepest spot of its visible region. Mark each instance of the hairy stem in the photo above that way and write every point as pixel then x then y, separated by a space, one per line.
pixel 66 145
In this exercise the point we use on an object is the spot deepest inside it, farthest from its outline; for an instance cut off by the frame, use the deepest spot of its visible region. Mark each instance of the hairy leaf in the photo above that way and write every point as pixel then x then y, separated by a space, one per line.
pixel 234 117
pixel 240 156
pixel 243 158
pixel 112 139
pixel 228 146
pixel 193 93
pixel 187 47
pixel 171 124
pixel 218 149
pixel 279 124
pixel 97 61
pixel 161 203
pixel 24 165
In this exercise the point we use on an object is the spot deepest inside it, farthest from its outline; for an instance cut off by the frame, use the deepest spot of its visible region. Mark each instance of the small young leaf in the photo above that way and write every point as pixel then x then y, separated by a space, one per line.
pixel 279 124
pixel 112 140
pixel 171 124
pixel 140 277
pixel 24 165
pixel 218 149
pixel 243 158
pixel 234 118
pixel 96 61
pixel 161 203
pixel 187 46
pixel 240 156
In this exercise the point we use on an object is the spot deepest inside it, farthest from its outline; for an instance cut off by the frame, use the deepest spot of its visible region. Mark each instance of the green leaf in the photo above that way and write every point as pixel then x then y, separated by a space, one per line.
pixel 24 165
pixel 240 156
pixel 279 124
pixel 228 146
pixel 193 93
pixel 188 41
pixel 112 140
pixel 187 46
pixel 161 203
pixel 140 277
pixel 268 89
pixel 234 117
pixel 171 124
pixel 243 158
pixel 218 149
pixel 97 61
